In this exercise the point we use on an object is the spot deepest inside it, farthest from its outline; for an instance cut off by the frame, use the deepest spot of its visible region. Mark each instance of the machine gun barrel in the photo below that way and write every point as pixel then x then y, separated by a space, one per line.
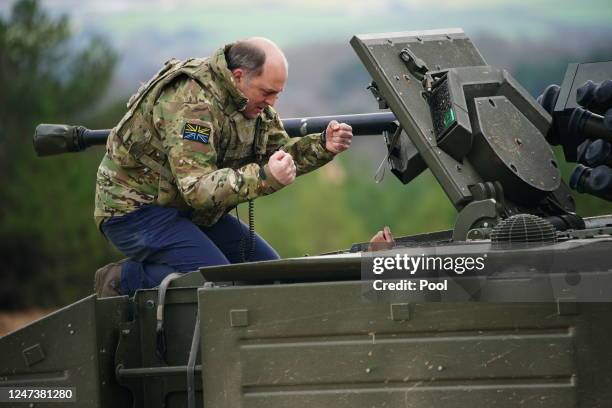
pixel 50 140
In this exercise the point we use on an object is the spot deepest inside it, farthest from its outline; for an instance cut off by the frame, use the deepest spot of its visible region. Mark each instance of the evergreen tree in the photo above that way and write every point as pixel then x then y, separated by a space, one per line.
pixel 45 203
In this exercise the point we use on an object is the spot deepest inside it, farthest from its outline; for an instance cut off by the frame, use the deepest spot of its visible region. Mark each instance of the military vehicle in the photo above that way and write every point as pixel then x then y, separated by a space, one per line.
pixel 526 323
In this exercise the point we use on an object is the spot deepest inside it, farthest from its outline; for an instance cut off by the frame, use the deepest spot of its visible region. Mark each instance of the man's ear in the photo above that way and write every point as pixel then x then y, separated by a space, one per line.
pixel 238 75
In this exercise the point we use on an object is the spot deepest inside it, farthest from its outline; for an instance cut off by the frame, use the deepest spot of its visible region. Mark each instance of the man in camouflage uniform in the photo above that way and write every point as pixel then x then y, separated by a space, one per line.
pixel 199 138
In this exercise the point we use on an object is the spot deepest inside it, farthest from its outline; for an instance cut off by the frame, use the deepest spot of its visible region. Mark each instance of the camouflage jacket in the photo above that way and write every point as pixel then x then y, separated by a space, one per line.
pixel 184 143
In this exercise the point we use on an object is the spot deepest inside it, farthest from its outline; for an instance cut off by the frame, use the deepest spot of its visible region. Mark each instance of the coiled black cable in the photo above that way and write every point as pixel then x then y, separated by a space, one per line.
pixel 251 229
pixel 250 236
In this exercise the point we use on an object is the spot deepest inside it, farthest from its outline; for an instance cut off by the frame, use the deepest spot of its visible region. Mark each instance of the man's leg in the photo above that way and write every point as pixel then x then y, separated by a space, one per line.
pixel 158 241
pixel 229 232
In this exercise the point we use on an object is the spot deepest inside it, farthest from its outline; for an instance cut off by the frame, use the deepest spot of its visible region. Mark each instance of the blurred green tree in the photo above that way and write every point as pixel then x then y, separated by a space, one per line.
pixel 46 225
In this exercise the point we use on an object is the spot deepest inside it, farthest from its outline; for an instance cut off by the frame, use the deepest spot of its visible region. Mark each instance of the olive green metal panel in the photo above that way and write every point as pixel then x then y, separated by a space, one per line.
pixel 190 279
pixel 110 313
pixel 324 345
pixel 156 382
pixel 72 347
pixel 403 91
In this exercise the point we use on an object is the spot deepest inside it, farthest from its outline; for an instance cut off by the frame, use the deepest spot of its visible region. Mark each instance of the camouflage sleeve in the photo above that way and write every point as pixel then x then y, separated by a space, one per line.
pixel 185 120
pixel 308 152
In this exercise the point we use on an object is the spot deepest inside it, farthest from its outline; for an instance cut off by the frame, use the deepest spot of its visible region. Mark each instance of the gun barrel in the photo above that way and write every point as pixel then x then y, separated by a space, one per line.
pixel 363 124
pixel 50 139
pixel 95 137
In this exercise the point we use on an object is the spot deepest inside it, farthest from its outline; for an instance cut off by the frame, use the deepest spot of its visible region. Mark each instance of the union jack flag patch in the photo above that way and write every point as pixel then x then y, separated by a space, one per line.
pixel 196 133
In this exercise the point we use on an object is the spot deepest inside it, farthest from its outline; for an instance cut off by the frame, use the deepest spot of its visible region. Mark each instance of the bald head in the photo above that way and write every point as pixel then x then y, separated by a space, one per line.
pixel 254 55
pixel 259 69
pixel 274 55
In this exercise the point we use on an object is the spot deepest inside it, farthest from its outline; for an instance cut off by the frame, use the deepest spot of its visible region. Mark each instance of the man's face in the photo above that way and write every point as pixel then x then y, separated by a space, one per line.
pixel 261 90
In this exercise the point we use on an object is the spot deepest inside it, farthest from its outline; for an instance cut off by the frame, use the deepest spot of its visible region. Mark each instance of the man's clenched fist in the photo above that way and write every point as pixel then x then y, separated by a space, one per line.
pixel 338 136
pixel 282 167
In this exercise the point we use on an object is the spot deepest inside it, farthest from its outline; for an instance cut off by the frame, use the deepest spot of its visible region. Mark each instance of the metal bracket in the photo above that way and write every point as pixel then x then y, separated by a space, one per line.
pixel 382 103
pixel 415 65
pixel 473 215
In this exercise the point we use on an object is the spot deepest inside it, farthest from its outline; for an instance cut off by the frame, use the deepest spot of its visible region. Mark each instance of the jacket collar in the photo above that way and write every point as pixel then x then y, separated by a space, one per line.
pixel 218 65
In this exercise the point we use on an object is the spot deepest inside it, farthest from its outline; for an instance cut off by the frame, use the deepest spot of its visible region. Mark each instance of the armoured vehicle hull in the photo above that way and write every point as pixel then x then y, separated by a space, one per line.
pixel 309 332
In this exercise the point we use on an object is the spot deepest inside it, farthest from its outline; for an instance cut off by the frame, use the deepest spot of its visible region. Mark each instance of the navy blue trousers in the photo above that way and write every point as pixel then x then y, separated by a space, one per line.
pixel 159 240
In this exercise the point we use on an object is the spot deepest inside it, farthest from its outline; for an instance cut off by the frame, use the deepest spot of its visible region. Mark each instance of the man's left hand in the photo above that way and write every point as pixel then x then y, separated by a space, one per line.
pixel 338 137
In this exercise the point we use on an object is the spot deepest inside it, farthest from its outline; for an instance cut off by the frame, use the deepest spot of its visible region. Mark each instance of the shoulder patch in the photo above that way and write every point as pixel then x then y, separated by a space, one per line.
pixel 197 132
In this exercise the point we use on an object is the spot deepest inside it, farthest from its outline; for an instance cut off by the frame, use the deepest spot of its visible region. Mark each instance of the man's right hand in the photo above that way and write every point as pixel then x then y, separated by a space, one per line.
pixel 282 167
